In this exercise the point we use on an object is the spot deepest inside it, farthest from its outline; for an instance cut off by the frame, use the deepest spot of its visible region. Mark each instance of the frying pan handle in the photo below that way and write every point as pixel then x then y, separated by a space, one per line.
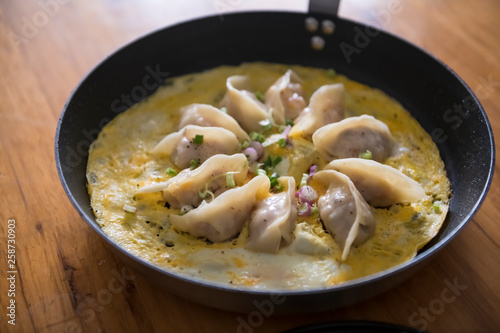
pixel 329 7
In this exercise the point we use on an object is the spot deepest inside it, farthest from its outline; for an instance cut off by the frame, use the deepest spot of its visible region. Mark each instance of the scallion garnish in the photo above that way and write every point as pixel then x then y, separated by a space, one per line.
pixel 230 180
pixel 437 206
pixel 303 182
pixel 314 209
pixel 276 160
pixel 171 172
pixel 367 155
pixel 206 193
pixel 266 125
pixel 282 143
pixel 245 144
pixel 279 188
pixel 330 73
pixel 198 139
pixel 194 163
pixel 257 137
pixel 289 122
pixel 274 179
pixel 129 209
pixel 268 163
pixel 259 96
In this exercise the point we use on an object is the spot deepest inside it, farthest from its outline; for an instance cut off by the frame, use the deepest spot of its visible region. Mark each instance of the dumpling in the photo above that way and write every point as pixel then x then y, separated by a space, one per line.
pixel 380 184
pixel 273 220
pixel 208 116
pixel 224 216
pixel 179 145
pixel 242 105
pixel 343 211
pixel 285 98
pixel 353 136
pixel 185 188
pixel 326 106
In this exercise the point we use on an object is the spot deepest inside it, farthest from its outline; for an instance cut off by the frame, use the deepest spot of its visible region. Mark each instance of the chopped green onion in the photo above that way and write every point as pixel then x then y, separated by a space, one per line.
pixel 253 167
pixel 330 73
pixel 205 194
pixel 230 180
pixel 274 179
pixel 129 209
pixel 289 122
pixel 262 172
pixel 281 128
pixel 303 182
pixel 437 206
pixel 198 139
pixel 314 209
pixel 282 143
pixel 276 160
pixel 171 172
pixel 244 144
pixel 259 96
pixel 193 164
pixel 268 163
pixel 367 155
pixel 266 124
pixel 257 137
pixel 223 109
pixel 279 188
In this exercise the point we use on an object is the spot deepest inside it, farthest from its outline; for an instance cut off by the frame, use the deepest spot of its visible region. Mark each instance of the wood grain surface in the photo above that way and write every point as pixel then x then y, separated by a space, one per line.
pixel 68 281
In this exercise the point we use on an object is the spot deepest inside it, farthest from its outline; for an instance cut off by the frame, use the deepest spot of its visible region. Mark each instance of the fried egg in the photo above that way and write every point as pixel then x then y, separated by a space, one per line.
pixel 122 162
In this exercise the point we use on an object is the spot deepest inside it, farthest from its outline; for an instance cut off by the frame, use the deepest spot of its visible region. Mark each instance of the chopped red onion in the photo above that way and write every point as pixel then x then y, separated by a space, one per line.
pixel 286 131
pixel 259 149
pixel 251 154
pixel 305 210
pixel 307 194
pixel 312 170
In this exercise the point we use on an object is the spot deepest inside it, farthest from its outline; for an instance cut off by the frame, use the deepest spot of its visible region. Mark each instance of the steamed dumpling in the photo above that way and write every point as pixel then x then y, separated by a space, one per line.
pixel 185 188
pixel 223 217
pixel 344 212
pixel 353 136
pixel 273 220
pixel 180 147
pixel 285 98
pixel 380 184
pixel 242 105
pixel 325 107
pixel 208 116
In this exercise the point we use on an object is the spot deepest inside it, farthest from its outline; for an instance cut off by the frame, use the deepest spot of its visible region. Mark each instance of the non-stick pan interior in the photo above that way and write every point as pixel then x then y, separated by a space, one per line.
pixel 435 96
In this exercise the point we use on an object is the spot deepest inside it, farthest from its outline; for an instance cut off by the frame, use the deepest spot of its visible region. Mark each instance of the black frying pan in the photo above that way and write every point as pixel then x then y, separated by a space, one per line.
pixel 432 92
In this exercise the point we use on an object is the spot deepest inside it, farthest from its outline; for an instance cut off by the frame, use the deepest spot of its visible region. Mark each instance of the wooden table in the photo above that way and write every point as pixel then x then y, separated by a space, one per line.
pixel 68 281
